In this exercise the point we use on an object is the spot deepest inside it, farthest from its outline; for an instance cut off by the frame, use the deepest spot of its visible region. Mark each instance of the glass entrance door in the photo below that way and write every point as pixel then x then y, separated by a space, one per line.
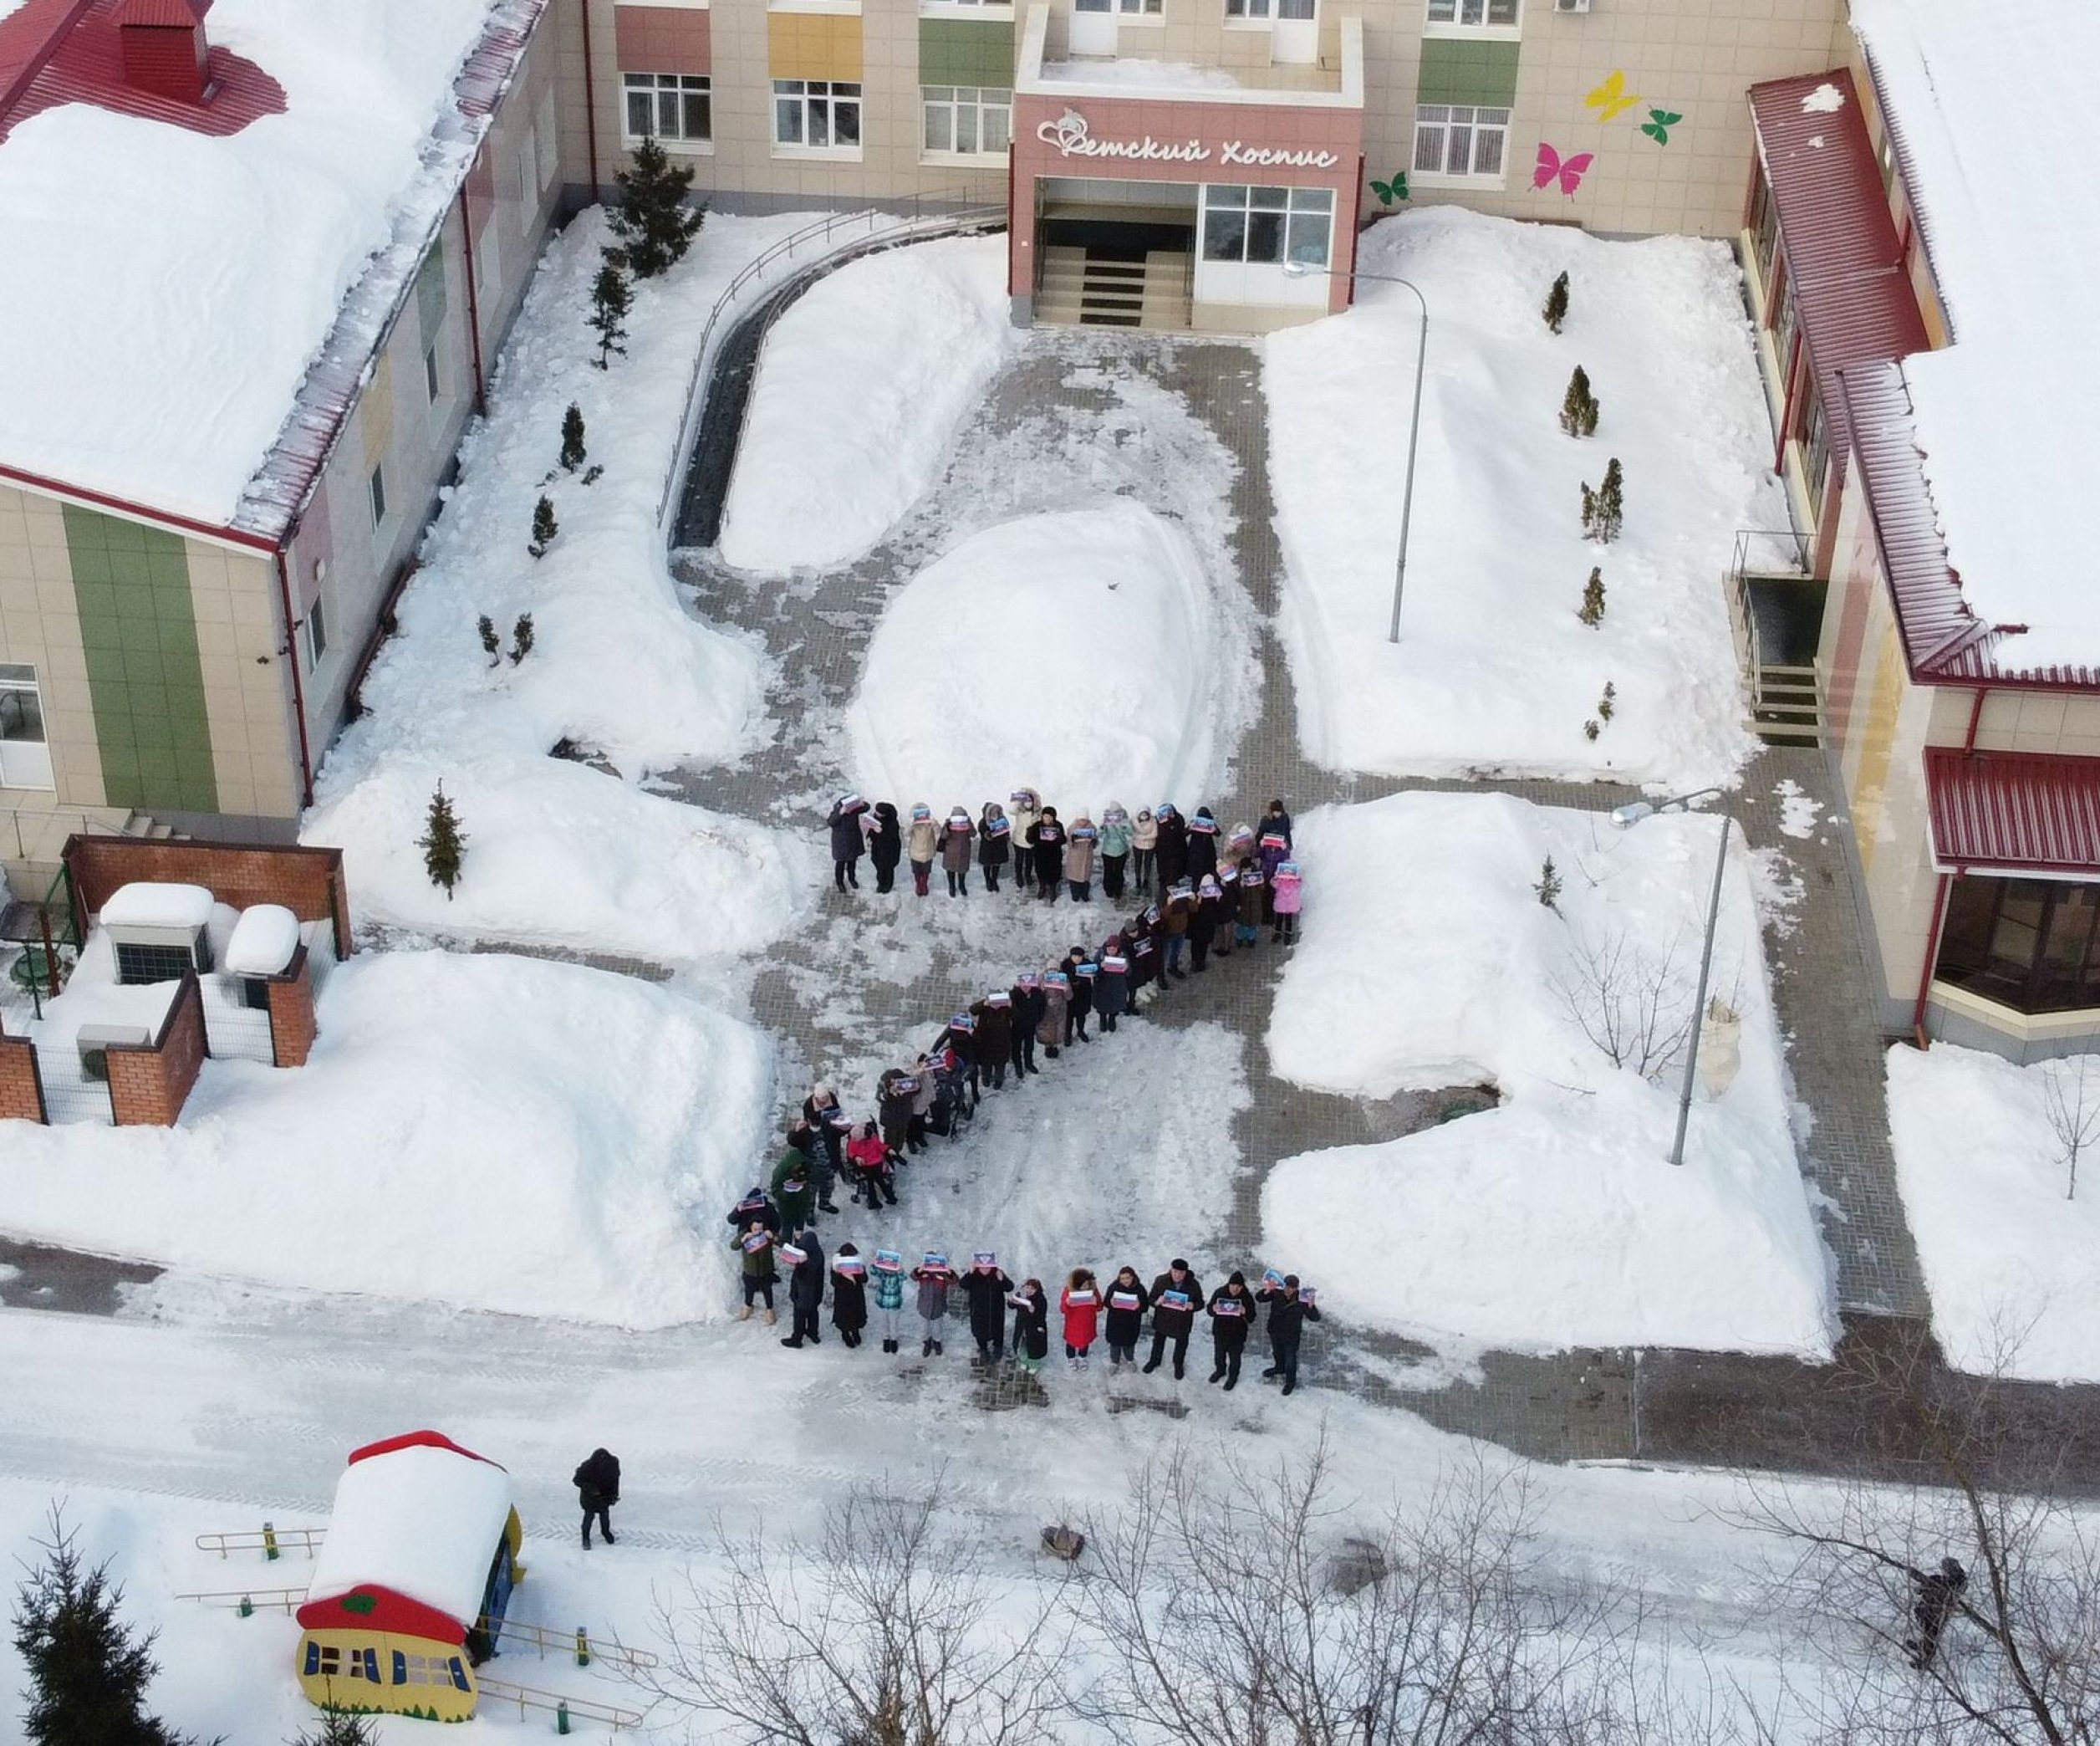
pixel 25 754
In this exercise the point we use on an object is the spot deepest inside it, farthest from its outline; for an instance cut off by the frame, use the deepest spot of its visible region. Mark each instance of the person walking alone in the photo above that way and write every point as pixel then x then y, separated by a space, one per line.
pixel 597 1483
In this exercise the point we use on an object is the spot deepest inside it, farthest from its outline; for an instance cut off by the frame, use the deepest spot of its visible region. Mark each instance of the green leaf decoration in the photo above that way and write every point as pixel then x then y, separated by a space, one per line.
pixel 1658 124
pixel 361 1604
pixel 1390 191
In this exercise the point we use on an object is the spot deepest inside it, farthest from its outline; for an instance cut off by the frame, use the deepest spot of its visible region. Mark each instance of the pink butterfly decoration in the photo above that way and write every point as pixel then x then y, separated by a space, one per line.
pixel 1552 164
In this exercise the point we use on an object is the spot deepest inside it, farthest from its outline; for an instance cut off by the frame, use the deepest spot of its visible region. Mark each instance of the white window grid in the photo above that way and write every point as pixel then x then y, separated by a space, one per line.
pixel 972 120
pixel 1457 139
pixel 21 704
pixel 1132 8
pixel 1475 14
pixel 1267 226
pixel 672 106
pixel 818 113
pixel 1262 11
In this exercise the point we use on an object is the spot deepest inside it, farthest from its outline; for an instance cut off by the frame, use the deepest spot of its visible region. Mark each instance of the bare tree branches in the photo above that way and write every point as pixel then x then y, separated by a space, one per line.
pixel 889 1632
pixel 2071 1099
pixel 1628 999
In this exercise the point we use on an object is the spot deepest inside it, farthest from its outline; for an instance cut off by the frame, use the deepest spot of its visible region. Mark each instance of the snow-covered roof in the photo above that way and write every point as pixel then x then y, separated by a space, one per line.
pixel 164 294
pixel 2008 416
pixel 422 1519
pixel 155 903
pixel 264 941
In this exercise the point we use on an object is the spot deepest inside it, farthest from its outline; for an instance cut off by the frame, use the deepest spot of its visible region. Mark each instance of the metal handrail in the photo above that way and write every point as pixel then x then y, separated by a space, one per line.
pixel 544 1637
pixel 588 1709
pixel 920 221
pixel 265 1538
pixel 287 1598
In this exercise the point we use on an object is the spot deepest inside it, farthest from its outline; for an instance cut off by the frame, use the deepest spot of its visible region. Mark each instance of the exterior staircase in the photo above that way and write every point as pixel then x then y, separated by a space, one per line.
pixel 1087 288
pixel 32 839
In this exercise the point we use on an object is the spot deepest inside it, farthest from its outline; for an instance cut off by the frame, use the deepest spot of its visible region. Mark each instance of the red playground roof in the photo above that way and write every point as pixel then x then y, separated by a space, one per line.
pixel 2014 812
pixel 371 1607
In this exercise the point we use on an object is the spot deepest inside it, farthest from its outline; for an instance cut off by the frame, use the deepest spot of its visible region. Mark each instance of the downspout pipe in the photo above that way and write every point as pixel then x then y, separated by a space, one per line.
pixel 298 685
pixel 473 293
pixel 1975 718
pixel 590 107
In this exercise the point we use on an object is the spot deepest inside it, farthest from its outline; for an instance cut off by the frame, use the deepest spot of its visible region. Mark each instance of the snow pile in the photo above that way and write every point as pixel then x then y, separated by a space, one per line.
pixel 155 335
pixel 1080 654
pixel 154 903
pixel 421 1521
pixel 2007 415
pixel 1493 670
pixel 556 852
pixel 1145 75
pixel 860 389
pixel 1556 1219
pixel 2012 1264
pixel 262 940
pixel 1798 811
pixel 492 1133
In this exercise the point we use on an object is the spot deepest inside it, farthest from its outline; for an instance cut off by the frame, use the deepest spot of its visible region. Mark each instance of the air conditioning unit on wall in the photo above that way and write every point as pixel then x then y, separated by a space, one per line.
pixel 1571 6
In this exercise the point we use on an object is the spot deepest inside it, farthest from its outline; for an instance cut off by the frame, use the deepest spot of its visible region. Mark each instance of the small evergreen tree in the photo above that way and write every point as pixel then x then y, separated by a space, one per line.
pixel 88 1673
pixel 1609 702
pixel 443 842
pixel 611 298
pixel 1556 310
pixel 491 645
pixel 654 223
pixel 1605 509
pixel 522 638
pixel 1579 407
pixel 1591 612
pixel 339 1728
pixel 1548 887
pixel 572 449
pixel 545 529
pixel 1591 730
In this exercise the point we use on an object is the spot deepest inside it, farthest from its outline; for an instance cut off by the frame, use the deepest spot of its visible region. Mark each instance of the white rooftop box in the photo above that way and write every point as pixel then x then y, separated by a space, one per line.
pixel 158 930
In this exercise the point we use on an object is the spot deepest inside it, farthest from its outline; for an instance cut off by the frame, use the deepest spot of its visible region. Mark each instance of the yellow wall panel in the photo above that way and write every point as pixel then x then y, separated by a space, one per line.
pixel 813 45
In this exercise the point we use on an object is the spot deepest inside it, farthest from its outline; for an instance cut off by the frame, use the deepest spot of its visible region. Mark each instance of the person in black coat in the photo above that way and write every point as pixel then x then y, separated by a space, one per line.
pixel 1231 1310
pixel 1045 838
pixel 829 1126
pixel 756 1207
pixel 1172 856
pixel 1082 972
pixel 1277 822
pixel 849 1293
pixel 1288 1313
pixel 994 1014
pixel 995 843
pixel 985 1285
pixel 806 1289
pixel 847 840
pixel 1126 1302
pixel 1203 845
pixel 1031 1326
pixel 885 845
pixel 597 1483
pixel 1030 1004
pixel 1939 1593
pixel 1177 1296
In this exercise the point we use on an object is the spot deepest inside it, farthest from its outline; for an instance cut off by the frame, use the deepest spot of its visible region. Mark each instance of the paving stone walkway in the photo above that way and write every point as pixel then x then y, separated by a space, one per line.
pixel 1075 417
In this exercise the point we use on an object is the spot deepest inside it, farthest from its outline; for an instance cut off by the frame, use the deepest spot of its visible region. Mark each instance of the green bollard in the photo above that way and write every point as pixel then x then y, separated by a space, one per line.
pixel 269 1544
pixel 247 1607
pixel 561 1718
pixel 583 1648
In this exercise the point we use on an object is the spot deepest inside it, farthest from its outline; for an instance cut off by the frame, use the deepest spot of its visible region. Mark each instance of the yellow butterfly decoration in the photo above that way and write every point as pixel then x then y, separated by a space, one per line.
pixel 1612 100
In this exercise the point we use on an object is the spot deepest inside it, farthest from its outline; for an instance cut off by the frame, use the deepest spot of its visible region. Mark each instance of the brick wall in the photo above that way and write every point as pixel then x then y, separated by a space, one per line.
pixel 21 1085
pixel 150 1082
pixel 307 881
pixel 292 1026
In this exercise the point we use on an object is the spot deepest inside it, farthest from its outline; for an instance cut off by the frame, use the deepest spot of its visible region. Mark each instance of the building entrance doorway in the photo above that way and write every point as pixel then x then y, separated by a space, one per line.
pixel 1115 254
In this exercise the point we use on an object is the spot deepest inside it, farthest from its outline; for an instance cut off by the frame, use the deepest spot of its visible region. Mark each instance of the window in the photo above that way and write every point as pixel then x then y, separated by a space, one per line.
pixel 1267 225
pixel 1455 139
pixel 547 139
pixel 1814 448
pixel 816 113
pixel 431 383
pixel 2025 943
pixel 316 637
pixel 671 106
pixel 1144 8
pixel 376 488
pixel 1764 228
pixel 1473 14
pixel 967 119
pixel 25 753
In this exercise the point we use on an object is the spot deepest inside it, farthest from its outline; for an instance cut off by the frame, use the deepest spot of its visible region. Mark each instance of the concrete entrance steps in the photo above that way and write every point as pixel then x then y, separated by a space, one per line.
pixel 32 839
pixel 1785 708
pixel 1082 289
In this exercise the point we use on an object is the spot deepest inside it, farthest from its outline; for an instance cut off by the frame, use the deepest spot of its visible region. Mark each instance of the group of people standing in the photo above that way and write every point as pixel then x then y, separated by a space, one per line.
pixel 1004 1316
pixel 1244 879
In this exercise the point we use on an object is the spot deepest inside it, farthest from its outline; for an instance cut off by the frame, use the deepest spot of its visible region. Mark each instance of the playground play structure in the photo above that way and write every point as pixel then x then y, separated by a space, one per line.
pixel 411 1591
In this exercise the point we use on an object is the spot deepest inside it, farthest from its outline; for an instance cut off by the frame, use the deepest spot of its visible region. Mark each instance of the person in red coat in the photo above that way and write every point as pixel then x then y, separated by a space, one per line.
pixel 1081 1302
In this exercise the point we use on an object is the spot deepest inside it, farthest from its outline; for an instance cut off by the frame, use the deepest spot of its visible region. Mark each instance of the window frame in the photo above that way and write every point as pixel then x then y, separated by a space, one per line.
pixel 682 89
pixel 1487 25
pixel 1283 210
pixel 834 99
pixel 1966 955
pixel 1441 119
pixel 314 632
pixel 375 494
pixel 954 104
pixel 433 374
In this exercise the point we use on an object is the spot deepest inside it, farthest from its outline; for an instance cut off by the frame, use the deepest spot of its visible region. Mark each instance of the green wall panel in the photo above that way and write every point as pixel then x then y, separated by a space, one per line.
pixel 138 632
pixel 966 52
pixel 1474 73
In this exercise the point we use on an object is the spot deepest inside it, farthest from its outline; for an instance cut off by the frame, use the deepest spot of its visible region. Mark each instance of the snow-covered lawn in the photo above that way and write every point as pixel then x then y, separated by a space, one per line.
pixel 1494 670
pixel 2011 1261
pixel 557 853
pixel 1083 654
pixel 859 391
pixel 493 1132
pixel 1556 1219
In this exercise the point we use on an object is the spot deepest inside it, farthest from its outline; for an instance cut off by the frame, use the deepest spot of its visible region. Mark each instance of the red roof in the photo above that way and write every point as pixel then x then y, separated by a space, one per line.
pixel 2025 812
pixel 1844 259
pixel 418 1440
pixel 371 1607
pixel 178 14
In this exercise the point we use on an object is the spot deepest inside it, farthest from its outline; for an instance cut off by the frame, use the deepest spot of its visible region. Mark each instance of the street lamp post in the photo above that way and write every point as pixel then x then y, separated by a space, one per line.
pixel 1299 269
pixel 1625 817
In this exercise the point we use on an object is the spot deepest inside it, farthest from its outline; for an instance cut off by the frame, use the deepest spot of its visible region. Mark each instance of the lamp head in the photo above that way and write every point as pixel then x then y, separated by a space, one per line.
pixel 1630 814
